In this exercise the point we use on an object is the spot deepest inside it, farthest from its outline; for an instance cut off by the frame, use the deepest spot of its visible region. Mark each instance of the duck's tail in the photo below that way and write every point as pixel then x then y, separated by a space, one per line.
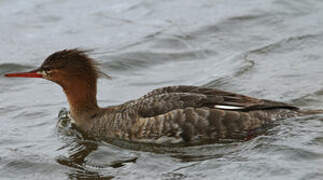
pixel 305 112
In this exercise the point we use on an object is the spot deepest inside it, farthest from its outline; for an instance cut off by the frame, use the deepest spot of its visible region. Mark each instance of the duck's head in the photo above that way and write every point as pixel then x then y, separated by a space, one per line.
pixel 75 72
pixel 64 68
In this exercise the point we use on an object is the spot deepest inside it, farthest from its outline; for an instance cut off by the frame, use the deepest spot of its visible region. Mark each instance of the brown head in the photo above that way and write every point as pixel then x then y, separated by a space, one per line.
pixel 76 73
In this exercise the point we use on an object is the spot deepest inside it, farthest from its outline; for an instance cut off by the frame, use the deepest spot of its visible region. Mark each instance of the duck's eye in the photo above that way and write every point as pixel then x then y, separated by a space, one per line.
pixel 46 69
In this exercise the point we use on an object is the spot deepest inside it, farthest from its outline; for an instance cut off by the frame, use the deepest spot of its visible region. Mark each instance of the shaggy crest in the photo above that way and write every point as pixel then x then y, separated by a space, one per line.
pixel 75 60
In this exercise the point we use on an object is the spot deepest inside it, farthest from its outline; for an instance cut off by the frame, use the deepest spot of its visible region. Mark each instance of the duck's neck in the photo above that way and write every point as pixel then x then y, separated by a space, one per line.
pixel 81 96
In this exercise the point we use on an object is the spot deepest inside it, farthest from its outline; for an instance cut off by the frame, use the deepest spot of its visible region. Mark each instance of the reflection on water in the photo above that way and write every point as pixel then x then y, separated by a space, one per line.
pixel 268 49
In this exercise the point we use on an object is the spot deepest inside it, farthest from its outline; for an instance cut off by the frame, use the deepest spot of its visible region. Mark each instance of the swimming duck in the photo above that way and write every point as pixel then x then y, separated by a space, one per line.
pixel 186 115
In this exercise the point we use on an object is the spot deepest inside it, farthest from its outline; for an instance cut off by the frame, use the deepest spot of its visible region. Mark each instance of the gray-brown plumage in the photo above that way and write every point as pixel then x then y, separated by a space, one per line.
pixel 186 115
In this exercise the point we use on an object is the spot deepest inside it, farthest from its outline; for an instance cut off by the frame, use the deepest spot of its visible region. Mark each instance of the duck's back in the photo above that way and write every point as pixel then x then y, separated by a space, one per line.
pixel 191 115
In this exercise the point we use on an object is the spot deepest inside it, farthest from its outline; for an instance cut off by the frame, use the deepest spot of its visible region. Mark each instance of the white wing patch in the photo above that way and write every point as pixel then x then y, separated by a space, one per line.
pixel 228 107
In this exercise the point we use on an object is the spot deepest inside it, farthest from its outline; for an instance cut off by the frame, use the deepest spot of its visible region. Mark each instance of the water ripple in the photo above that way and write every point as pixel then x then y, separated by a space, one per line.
pixel 9 67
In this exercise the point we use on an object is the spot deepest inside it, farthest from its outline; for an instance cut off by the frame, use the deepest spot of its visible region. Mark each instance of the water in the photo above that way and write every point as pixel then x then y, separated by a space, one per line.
pixel 268 49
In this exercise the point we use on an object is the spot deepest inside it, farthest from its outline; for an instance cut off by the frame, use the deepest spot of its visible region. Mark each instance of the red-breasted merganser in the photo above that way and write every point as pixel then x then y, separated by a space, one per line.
pixel 186 115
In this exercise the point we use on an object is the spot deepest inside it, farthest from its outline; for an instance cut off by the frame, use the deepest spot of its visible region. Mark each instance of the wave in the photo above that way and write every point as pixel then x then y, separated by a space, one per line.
pixel 139 59
pixel 9 67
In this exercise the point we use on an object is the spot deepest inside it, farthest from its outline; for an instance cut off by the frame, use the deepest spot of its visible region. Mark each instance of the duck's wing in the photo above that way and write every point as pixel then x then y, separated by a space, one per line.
pixel 194 115
pixel 163 100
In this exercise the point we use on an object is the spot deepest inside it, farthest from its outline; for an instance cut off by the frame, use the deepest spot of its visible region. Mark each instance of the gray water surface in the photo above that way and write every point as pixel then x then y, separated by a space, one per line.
pixel 267 49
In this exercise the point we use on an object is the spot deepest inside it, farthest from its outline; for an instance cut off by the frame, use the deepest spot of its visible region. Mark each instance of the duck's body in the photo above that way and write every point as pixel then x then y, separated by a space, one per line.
pixel 172 115
pixel 188 115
